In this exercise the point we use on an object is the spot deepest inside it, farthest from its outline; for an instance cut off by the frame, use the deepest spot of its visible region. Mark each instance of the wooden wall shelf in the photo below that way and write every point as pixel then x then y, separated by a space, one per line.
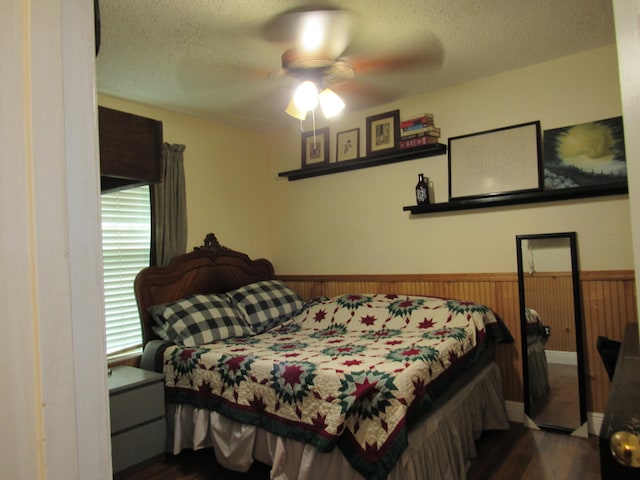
pixel 365 162
pixel 516 199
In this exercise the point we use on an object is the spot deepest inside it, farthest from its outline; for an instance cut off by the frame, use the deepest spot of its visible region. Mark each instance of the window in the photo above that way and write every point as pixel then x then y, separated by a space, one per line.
pixel 126 240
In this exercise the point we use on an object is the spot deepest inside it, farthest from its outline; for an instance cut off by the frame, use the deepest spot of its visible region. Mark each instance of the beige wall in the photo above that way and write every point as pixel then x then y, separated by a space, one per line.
pixel 353 222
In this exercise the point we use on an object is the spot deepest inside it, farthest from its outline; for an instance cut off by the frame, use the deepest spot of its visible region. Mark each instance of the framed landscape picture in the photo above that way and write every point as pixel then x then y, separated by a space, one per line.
pixel 587 155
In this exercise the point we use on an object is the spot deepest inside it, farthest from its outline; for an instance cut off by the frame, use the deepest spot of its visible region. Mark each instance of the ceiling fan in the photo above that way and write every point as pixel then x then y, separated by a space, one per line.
pixel 320 56
pixel 319 37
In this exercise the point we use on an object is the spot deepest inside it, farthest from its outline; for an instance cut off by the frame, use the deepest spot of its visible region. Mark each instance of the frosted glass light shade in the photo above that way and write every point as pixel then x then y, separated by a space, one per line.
pixel 306 96
pixel 330 103
pixel 295 112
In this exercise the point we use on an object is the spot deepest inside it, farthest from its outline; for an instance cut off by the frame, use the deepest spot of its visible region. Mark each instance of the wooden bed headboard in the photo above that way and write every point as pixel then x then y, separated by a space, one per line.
pixel 210 268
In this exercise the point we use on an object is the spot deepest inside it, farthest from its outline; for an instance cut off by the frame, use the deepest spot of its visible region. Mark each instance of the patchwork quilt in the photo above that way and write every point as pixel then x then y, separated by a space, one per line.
pixel 351 372
pixel 534 330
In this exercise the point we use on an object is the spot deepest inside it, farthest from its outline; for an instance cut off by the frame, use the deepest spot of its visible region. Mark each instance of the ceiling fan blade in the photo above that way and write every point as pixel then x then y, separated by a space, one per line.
pixel 358 95
pixel 392 64
pixel 322 31
pixel 367 49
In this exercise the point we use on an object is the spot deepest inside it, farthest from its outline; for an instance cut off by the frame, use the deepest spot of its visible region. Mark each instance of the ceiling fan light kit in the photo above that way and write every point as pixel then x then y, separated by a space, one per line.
pixel 330 103
pixel 295 112
pixel 306 96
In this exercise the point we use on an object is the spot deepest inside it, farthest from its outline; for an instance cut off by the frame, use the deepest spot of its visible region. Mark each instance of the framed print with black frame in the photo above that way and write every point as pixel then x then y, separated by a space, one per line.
pixel 589 157
pixel 315 147
pixel 348 145
pixel 383 133
pixel 495 162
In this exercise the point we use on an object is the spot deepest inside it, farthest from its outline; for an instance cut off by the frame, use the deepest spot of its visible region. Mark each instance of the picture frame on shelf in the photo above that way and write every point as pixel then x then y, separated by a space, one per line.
pixel 589 156
pixel 348 145
pixel 495 162
pixel 383 133
pixel 315 147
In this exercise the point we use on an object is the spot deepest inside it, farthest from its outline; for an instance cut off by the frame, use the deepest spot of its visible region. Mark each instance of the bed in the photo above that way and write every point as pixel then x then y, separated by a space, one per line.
pixel 355 386
pixel 536 356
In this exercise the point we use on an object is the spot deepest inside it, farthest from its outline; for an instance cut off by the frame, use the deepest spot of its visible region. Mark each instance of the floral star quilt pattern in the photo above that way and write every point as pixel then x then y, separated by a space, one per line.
pixel 351 372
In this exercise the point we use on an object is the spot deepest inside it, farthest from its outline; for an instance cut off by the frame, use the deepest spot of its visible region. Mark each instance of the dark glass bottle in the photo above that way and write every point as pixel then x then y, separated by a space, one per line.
pixel 422 190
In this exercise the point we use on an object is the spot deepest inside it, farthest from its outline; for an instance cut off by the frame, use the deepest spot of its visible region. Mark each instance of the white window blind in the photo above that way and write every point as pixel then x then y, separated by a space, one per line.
pixel 126 241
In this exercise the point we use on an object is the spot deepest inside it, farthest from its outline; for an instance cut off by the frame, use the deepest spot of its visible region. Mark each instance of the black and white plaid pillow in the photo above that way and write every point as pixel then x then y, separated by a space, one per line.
pixel 266 303
pixel 199 320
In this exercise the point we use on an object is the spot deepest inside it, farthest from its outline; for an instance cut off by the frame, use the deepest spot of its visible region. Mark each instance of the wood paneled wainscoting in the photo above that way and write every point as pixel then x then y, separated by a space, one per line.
pixel 551 294
pixel 608 299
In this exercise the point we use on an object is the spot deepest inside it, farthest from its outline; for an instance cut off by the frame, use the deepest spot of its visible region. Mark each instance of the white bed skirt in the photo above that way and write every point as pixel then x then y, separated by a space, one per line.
pixel 440 446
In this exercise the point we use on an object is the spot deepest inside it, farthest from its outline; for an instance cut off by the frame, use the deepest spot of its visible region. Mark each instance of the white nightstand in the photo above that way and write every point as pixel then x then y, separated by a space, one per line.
pixel 136 400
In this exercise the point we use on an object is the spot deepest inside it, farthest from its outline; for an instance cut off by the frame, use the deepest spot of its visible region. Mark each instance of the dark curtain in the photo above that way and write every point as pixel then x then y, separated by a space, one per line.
pixel 170 207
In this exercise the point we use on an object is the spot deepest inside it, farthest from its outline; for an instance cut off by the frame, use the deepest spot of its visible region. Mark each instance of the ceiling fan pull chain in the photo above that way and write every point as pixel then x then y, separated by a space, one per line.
pixel 313 118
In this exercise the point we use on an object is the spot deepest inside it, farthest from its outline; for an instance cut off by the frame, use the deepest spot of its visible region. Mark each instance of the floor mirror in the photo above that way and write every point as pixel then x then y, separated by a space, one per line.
pixel 551 332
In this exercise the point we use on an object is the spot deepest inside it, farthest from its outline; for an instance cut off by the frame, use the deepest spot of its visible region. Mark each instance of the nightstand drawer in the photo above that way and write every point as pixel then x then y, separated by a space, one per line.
pixel 138 428
pixel 136 406
pixel 137 445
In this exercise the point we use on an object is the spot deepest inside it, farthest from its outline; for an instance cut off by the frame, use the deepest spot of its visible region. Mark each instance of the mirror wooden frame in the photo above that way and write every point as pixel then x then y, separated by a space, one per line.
pixel 582 430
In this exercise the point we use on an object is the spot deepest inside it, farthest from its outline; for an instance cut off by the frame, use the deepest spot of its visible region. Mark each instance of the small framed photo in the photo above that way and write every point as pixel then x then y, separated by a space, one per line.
pixel 348 145
pixel 315 147
pixel 383 133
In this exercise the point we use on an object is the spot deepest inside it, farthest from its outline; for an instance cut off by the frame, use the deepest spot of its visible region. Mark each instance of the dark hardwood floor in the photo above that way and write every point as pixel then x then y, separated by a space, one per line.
pixel 525 454
pixel 516 454
pixel 561 406
pixel 190 465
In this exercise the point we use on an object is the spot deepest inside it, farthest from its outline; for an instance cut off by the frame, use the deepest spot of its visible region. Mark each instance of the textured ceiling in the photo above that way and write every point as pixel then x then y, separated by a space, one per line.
pixel 214 58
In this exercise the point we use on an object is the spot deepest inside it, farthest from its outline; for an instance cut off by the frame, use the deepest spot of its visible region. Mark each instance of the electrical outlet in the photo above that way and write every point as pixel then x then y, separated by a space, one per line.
pixel 547 330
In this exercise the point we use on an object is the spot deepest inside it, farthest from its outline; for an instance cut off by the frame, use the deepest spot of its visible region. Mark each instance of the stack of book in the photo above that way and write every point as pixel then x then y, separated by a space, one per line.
pixel 419 131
